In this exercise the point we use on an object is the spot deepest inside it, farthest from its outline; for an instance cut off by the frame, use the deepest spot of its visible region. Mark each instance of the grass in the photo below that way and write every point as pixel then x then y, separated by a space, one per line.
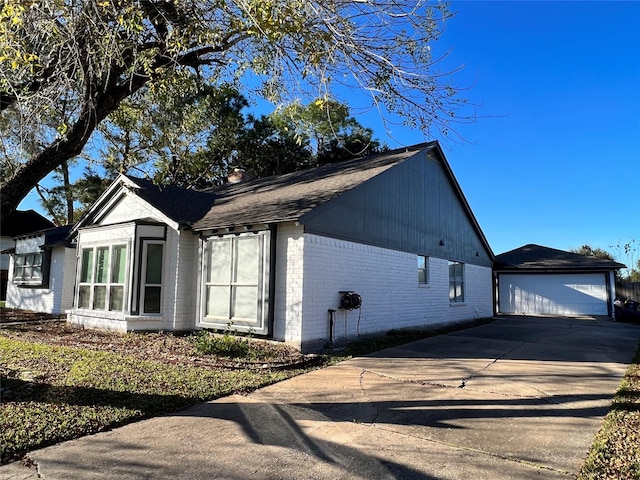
pixel 615 452
pixel 60 383
pixel 53 393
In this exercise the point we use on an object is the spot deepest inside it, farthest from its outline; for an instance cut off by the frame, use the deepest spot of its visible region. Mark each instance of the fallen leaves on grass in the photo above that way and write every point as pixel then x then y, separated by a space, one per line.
pixel 77 383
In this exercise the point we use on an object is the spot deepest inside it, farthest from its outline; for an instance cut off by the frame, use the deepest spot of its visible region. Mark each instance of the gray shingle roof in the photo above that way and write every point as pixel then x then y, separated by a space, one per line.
pixel 180 204
pixel 21 222
pixel 536 257
pixel 288 197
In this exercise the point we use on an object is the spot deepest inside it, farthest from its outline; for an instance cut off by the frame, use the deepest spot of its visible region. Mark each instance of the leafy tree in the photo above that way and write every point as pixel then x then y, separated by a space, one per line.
pixel 626 253
pixel 328 128
pixel 67 201
pixel 182 135
pixel 591 252
pixel 65 66
pixel 634 276
pixel 264 149
pixel 629 254
pixel 191 138
pixel 58 201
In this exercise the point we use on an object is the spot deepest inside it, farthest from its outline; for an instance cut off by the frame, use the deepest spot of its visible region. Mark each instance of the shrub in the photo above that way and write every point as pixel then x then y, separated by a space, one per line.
pixel 227 345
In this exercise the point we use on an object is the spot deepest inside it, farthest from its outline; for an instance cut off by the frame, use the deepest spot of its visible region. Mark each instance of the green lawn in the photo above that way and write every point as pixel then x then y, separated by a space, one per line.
pixel 55 393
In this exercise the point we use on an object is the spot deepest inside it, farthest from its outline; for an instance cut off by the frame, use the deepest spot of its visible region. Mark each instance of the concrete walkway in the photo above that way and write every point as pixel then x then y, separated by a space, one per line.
pixel 519 398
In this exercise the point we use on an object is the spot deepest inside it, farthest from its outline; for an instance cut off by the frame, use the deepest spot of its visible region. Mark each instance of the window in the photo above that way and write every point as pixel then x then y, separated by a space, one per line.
pixel 237 280
pixel 152 278
pixel 423 272
pixel 28 269
pixel 118 274
pixel 456 282
pixel 102 278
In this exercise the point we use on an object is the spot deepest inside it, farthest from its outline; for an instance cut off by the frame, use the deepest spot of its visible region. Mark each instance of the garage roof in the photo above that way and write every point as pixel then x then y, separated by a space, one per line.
pixel 537 257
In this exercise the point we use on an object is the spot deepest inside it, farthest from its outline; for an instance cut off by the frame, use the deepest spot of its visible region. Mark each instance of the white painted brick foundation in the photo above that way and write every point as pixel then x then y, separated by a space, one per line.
pixel 386 280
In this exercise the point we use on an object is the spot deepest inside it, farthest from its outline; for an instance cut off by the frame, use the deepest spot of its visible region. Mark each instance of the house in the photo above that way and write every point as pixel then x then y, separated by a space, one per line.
pixel 43 271
pixel 14 224
pixel 537 280
pixel 391 236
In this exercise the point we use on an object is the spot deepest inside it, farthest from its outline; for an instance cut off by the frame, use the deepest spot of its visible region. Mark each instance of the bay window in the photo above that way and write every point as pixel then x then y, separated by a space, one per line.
pixel 102 278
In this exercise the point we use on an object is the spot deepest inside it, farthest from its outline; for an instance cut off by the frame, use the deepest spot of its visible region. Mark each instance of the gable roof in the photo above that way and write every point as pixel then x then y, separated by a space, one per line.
pixel 536 257
pixel 182 205
pixel 288 197
pixel 20 222
pixel 57 236
pixel 298 196
pixel 53 237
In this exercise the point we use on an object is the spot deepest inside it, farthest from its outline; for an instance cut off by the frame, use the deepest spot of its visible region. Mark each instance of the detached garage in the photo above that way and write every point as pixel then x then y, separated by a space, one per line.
pixel 536 280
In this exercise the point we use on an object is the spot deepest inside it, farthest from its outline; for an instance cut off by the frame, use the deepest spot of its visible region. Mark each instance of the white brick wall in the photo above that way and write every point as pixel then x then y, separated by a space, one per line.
pixel 289 283
pixel 387 281
pixel 181 280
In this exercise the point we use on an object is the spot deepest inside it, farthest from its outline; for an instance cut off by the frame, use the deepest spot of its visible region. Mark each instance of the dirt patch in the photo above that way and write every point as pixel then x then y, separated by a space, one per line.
pixel 13 315
pixel 165 347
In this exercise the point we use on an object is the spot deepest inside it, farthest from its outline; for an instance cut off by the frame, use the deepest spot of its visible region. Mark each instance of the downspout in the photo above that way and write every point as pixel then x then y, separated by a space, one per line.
pixel 610 299
pixel 273 235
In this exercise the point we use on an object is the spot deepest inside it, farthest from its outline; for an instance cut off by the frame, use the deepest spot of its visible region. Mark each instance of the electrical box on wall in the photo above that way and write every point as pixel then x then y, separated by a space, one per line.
pixel 350 300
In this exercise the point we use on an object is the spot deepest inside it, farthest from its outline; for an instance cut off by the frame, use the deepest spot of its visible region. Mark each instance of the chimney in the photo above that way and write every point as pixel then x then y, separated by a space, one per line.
pixel 238 175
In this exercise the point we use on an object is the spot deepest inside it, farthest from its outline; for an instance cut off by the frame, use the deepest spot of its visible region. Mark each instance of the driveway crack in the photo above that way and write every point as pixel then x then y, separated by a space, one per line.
pixel 476 451
pixel 366 396
pixel 464 381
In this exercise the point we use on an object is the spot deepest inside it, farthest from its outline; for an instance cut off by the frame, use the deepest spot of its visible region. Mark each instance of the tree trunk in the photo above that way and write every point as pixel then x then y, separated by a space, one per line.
pixel 68 194
pixel 40 165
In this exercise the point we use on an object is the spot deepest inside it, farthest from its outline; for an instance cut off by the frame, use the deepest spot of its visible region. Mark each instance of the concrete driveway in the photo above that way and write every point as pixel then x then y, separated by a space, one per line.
pixel 518 398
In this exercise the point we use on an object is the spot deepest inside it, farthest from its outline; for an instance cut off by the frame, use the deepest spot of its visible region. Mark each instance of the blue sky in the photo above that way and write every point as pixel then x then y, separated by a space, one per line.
pixel 554 157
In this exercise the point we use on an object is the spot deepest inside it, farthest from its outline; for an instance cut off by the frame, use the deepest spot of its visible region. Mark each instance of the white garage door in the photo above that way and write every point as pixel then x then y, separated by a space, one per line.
pixel 553 294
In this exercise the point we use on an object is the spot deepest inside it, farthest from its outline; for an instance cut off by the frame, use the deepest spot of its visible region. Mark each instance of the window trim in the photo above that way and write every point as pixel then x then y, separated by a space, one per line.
pixel 143 273
pixel 30 282
pixel 91 283
pixel 259 325
pixel 455 283
pixel 424 269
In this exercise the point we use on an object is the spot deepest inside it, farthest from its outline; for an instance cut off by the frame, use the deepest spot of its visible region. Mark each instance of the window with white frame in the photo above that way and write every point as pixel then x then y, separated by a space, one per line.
pixel 456 282
pixel 102 279
pixel 423 269
pixel 152 277
pixel 237 279
pixel 28 268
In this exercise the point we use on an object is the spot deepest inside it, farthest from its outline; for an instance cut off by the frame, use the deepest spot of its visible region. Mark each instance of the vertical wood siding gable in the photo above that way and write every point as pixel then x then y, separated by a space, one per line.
pixel 411 207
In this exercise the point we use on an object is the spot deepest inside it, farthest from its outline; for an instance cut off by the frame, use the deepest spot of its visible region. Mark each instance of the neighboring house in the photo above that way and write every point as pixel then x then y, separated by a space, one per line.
pixel 42 272
pixel 536 280
pixel 274 256
pixel 14 224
